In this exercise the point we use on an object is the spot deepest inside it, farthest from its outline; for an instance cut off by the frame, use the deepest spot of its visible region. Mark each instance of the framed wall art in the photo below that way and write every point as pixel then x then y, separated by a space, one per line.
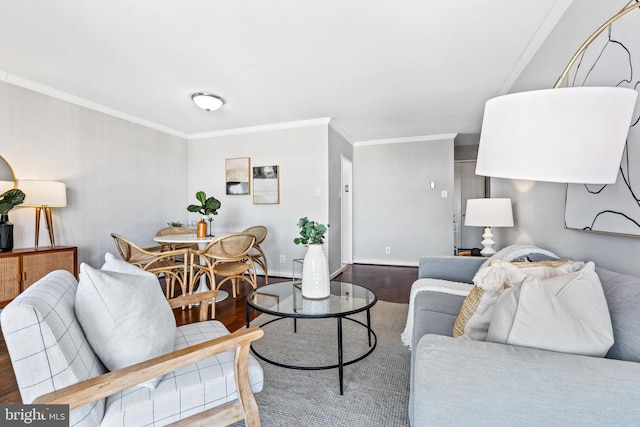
pixel 610 60
pixel 266 185
pixel 237 175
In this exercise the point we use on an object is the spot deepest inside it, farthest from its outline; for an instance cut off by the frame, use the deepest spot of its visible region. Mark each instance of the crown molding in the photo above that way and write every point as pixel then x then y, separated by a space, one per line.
pixel 340 130
pixel 64 96
pixel 261 128
pixel 423 138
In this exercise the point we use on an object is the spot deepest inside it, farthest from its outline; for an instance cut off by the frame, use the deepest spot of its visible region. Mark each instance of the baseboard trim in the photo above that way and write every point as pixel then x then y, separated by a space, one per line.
pixel 340 270
pixel 374 261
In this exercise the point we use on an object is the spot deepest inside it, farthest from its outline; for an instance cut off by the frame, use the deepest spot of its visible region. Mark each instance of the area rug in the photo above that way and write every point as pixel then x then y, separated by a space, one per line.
pixel 376 389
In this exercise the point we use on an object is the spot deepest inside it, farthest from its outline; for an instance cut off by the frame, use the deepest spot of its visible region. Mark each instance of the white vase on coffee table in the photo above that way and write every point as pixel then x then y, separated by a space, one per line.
pixel 315 273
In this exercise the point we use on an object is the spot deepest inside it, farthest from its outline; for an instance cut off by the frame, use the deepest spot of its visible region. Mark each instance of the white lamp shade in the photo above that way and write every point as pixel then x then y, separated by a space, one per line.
pixel 489 213
pixel 568 135
pixel 43 193
pixel 207 101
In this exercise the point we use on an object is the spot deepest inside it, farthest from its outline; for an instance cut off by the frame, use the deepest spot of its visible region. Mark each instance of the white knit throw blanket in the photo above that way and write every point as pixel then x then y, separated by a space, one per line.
pixel 433 285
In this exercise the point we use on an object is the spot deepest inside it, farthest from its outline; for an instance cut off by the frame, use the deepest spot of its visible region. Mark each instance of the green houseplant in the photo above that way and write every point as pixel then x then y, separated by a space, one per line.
pixel 8 200
pixel 208 206
pixel 311 232
pixel 315 269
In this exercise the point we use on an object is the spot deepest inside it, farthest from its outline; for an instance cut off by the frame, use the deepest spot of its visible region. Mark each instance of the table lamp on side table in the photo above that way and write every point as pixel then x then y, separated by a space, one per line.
pixel 44 195
pixel 488 213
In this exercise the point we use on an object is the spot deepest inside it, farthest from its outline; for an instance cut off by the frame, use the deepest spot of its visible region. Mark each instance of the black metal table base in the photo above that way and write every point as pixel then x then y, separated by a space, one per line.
pixel 341 363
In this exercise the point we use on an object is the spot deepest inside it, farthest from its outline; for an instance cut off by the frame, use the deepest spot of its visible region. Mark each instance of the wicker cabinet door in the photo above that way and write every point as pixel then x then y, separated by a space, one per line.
pixel 9 279
pixel 36 266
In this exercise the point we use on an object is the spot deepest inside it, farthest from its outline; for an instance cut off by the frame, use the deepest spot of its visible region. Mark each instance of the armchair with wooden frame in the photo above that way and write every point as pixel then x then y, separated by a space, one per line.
pixel 55 364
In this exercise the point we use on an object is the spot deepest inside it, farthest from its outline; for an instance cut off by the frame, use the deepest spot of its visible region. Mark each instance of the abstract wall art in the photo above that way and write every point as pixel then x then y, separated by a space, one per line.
pixel 613 59
pixel 237 175
pixel 266 185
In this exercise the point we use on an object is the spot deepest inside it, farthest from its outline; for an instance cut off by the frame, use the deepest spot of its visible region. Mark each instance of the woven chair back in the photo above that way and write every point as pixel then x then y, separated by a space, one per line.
pixel 129 251
pixel 173 230
pixel 232 246
pixel 260 231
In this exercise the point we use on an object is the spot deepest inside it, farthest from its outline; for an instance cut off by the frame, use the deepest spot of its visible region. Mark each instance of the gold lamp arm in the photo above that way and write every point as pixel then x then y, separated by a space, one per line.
pixel 591 39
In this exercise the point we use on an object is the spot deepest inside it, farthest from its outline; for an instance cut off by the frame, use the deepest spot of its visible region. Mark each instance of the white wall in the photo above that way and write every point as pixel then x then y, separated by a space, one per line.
pixel 394 205
pixel 121 177
pixel 302 155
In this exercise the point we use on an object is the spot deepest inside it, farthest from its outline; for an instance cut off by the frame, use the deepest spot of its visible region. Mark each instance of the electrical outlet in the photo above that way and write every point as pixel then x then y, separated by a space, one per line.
pixel 387 250
pixel 444 194
pixel 282 261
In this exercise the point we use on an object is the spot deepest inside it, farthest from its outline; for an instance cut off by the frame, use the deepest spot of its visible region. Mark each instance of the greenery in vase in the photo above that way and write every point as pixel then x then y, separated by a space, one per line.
pixel 174 224
pixel 311 232
pixel 10 199
pixel 208 205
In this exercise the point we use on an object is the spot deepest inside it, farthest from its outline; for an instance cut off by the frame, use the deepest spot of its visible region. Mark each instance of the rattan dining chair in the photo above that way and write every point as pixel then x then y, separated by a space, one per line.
pixel 256 253
pixel 167 231
pixel 173 264
pixel 227 256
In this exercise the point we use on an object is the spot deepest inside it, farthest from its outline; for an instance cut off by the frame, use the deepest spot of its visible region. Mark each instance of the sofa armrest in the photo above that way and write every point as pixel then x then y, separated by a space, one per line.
pixel 453 268
pixel 456 382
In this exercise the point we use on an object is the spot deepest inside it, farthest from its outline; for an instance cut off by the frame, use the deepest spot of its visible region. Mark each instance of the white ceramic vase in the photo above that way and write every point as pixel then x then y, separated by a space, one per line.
pixel 315 273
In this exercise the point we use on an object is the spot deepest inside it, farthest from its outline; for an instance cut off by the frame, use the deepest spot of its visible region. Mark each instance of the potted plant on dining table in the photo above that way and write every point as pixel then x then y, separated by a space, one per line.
pixel 208 206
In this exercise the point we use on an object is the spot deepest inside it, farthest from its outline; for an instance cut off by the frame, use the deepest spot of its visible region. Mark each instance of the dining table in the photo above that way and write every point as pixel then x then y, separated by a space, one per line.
pixel 202 243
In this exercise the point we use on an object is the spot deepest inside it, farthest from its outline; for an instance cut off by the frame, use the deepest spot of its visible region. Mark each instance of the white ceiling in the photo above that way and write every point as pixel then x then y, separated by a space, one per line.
pixel 380 69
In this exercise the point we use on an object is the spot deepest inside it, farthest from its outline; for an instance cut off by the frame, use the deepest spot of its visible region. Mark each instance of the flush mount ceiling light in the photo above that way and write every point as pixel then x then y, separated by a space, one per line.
pixel 207 101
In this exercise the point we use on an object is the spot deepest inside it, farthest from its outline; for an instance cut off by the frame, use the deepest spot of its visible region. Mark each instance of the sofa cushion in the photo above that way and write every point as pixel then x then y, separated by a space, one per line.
pixel 566 313
pixel 118 265
pixel 477 310
pixel 622 293
pixel 181 393
pixel 126 317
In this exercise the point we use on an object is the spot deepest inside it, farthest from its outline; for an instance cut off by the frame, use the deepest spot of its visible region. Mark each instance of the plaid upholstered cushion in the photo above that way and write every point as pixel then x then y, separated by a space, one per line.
pixel 186 391
pixel 47 346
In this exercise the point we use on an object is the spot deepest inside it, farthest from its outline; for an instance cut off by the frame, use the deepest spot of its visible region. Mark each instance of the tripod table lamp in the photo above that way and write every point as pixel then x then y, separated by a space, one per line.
pixel 44 195
pixel 488 213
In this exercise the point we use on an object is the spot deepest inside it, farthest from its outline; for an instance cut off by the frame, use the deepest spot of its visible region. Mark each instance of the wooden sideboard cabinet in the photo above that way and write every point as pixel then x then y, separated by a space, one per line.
pixel 20 268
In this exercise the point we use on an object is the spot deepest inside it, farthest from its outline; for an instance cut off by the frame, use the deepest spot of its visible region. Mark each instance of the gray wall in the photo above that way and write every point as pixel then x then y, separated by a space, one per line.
pixel 338 147
pixel 121 177
pixel 539 207
pixel 539 219
pixel 394 205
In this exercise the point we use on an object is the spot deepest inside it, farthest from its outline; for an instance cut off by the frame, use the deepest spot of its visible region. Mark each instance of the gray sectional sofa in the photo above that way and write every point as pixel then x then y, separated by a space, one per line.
pixel 458 382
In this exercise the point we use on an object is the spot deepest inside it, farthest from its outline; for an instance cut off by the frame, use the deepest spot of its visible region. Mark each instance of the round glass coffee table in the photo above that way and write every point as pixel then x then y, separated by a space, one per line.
pixel 284 300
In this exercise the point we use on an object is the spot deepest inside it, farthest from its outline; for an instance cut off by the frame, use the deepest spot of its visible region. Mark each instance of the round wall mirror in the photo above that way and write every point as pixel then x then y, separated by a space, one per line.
pixel 7 177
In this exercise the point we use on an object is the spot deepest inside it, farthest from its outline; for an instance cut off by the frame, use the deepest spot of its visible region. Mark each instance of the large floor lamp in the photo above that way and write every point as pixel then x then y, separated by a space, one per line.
pixel 564 134
pixel 44 195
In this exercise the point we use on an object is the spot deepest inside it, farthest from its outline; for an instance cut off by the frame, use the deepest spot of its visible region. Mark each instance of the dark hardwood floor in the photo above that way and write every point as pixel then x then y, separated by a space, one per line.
pixel 391 284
